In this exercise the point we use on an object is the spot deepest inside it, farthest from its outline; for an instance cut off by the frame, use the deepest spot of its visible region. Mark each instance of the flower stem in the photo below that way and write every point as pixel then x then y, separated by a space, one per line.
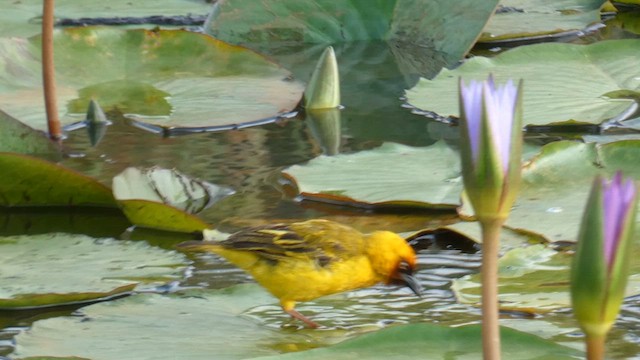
pixel 48 76
pixel 595 347
pixel 490 310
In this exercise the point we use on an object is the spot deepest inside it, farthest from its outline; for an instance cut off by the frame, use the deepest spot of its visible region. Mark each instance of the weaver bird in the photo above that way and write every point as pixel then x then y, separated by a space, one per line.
pixel 306 260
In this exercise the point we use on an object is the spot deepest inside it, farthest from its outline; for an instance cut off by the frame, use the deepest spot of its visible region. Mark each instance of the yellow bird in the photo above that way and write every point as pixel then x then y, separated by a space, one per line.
pixel 306 260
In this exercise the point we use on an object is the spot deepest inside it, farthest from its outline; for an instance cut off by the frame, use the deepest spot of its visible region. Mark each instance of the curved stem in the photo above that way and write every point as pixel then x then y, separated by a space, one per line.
pixel 489 273
pixel 48 72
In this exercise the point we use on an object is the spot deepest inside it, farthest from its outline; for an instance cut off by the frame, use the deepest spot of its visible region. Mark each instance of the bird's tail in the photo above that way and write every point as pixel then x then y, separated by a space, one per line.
pixel 199 246
pixel 210 242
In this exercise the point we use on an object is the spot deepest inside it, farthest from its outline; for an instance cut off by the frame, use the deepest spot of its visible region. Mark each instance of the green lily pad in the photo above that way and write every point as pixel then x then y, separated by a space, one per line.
pixel 436 26
pixel 534 279
pixel 19 138
pixel 208 84
pixel 200 325
pixel 390 175
pixel 509 239
pixel 29 181
pixel 154 215
pixel 22 18
pixel 530 18
pixel 420 341
pixel 563 83
pixel 85 269
pixel 606 139
pixel 216 323
pixel 551 202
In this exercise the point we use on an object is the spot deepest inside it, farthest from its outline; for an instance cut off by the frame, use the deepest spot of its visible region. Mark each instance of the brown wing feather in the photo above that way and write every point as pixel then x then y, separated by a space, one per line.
pixel 320 241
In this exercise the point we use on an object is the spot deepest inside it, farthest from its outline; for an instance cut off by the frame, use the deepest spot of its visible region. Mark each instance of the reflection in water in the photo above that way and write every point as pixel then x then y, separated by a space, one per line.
pixel 324 125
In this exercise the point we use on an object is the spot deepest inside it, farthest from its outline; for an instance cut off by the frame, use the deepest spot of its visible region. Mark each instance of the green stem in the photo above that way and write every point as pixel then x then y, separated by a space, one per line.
pixel 595 347
pixel 490 310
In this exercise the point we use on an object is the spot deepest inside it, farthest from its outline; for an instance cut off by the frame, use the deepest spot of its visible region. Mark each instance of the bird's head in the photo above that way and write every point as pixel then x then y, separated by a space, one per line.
pixel 393 259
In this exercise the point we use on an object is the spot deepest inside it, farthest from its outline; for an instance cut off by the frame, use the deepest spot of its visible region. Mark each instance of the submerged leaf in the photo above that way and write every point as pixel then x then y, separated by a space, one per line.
pixel 440 30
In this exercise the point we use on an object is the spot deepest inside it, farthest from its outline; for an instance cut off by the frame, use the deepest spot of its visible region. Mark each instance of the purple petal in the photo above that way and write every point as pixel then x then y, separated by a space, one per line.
pixel 472 102
pixel 617 197
pixel 500 105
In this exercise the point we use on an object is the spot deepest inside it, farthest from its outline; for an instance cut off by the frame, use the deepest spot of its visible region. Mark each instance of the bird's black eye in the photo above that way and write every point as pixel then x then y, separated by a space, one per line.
pixel 404 268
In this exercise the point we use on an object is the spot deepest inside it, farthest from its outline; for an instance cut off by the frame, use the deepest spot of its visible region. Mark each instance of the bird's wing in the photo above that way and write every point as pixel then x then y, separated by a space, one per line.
pixel 319 241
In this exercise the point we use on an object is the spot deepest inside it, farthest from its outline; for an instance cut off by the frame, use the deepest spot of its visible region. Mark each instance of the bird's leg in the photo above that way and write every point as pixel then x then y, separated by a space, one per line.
pixel 302 318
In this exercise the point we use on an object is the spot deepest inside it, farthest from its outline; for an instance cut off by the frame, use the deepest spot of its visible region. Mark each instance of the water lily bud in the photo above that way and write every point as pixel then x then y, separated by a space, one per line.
pixel 323 90
pixel 491 145
pixel 600 265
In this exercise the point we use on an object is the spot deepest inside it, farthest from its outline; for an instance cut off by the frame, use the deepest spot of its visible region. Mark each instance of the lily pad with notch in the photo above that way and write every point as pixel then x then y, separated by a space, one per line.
pixel 208 84
pixel 86 269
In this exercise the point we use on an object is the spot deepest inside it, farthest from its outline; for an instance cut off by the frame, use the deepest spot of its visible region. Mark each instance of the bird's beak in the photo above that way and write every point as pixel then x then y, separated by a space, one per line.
pixel 412 283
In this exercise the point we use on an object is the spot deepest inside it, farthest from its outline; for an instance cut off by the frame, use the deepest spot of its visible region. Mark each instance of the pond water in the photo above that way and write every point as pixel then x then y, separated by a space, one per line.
pixel 250 161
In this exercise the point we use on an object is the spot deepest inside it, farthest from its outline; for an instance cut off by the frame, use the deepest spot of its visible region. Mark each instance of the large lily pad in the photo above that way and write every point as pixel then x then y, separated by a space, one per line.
pixel 22 18
pixel 537 18
pixel 390 175
pixel 563 83
pixel 442 27
pixel 29 181
pixel 55 269
pixel 216 323
pixel 532 279
pixel 209 84
pixel 201 325
pixel 556 184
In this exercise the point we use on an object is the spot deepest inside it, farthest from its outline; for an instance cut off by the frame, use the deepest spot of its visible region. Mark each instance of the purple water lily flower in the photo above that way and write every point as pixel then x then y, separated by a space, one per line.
pixel 491 144
pixel 499 104
pixel 618 196
pixel 601 264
